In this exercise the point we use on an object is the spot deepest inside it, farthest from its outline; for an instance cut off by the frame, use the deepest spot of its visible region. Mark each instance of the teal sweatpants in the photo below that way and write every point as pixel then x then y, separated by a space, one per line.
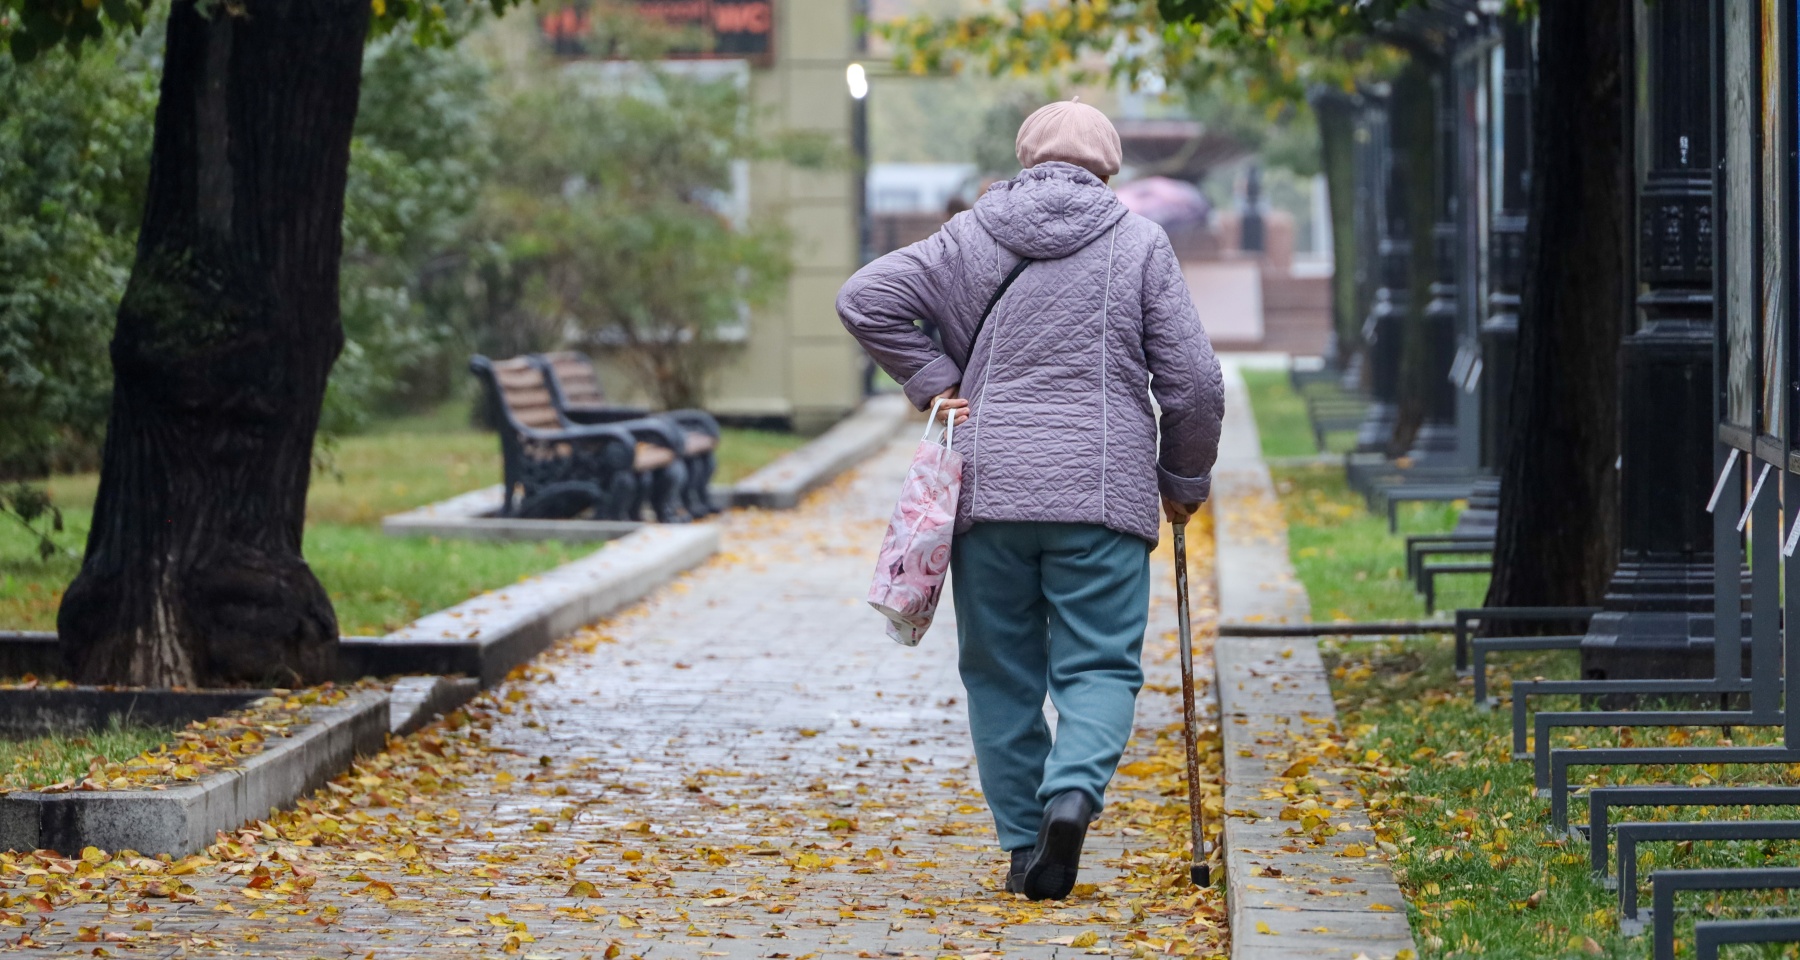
pixel 1057 609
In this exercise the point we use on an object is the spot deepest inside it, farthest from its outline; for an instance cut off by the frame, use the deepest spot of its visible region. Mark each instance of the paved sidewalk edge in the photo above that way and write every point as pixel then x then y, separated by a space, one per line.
pixel 475 516
pixel 1289 899
pixel 781 485
pixel 484 638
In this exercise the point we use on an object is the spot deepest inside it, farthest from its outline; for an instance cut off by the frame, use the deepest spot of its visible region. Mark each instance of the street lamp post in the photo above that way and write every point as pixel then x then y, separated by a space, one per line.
pixel 1436 441
pixel 1658 611
pixel 1506 249
pixel 1381 332
pixel 857 79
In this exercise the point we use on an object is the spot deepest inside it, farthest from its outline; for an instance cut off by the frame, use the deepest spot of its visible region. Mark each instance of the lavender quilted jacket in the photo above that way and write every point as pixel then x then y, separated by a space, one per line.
pixel 1061 423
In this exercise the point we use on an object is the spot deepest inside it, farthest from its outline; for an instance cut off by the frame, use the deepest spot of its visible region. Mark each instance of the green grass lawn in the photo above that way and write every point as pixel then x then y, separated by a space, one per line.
pixel 37 761
pixel 1352 567
pixel 1281 420
pixel 377 583
pixel 743 452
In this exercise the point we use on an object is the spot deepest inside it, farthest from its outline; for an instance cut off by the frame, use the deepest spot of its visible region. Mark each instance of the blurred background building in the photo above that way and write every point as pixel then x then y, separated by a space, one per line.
pixel 1251 234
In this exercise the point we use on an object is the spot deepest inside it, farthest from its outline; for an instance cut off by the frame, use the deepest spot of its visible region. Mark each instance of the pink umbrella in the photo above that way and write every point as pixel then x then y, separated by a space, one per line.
pixel 1168 202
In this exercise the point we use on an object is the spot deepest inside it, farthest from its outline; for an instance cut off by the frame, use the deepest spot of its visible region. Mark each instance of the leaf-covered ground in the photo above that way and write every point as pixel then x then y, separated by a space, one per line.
pixel 741 767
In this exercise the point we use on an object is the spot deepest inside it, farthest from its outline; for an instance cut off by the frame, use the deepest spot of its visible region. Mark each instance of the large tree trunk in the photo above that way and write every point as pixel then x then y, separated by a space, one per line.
pixel 1336 114
pixel 1557 533
pixel 227 331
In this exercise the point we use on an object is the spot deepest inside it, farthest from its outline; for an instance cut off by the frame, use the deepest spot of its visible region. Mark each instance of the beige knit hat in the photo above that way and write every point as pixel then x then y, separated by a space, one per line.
pixel 1073 132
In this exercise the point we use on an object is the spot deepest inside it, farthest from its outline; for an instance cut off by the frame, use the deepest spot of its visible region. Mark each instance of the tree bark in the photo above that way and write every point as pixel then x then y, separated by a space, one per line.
pixel 1336 115
pixel 1557 532
pixel 225 336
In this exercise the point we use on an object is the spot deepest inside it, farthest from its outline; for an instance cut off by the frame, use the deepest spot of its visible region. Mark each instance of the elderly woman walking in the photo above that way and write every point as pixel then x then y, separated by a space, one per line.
pixel 1063 468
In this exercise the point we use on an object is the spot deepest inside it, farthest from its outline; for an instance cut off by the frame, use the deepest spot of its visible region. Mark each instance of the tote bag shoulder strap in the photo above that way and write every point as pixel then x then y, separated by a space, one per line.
pixel 994 301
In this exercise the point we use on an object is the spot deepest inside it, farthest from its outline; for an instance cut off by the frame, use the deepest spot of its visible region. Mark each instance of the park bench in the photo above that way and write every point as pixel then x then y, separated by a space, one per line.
pixel 554 468
pixel 575 389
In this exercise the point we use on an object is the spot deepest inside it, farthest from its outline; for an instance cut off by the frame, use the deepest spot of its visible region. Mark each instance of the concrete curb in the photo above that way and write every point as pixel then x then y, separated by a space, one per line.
pixel 471 516
pixel 781 485
pixel 1274 695
pixel 484 638
pixel 414 702
pixel 183 819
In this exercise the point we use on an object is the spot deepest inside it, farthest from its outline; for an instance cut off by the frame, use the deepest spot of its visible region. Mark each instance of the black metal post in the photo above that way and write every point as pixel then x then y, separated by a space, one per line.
pixel 1436 441
pixel 1252 231
pixel 1382 330
pixel 1657 620
pixel 1499 330
pixel 1366 223
pixel 1506 243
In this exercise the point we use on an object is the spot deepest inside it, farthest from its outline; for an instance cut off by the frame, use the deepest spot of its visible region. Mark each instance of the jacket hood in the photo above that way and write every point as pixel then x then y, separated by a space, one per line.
pixel 1048 211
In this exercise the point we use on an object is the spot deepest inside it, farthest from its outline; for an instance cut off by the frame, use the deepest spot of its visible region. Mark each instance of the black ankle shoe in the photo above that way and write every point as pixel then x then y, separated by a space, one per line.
pixel 1015 877
pixel 1057 857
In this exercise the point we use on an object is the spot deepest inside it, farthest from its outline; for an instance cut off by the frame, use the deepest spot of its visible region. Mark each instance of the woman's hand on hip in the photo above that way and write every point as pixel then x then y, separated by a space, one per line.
pixel 1179 513
pixel 953 406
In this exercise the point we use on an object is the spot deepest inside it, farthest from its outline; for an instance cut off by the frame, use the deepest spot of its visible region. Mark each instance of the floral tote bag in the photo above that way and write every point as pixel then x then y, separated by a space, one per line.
pixel 915 554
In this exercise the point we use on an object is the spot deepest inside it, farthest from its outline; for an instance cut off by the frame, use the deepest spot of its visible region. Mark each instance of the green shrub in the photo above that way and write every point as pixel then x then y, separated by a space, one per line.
pixel 74 154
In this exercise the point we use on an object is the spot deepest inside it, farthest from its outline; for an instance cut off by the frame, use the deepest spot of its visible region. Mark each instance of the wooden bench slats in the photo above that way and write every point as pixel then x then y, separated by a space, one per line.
pixel 652 457
pixel 574 386
pixel 517 397
pixel 526 393
pixel 538 418
pixel 576 374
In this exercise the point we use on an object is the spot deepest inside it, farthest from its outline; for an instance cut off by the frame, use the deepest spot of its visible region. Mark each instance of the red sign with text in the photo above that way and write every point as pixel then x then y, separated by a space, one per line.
pixel 734 29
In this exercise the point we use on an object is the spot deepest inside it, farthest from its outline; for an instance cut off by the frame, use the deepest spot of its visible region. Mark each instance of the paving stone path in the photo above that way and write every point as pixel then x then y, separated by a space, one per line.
pixel 743 766
pixel 1293 897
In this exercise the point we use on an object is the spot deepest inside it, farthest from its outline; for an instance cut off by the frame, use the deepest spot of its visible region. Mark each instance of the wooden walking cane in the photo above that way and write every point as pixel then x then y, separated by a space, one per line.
pixel 1199 872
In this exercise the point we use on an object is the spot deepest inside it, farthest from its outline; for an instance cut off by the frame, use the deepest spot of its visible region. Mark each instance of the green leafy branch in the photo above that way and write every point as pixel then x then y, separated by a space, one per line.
pixel 33 27
pixel 1269 52
pixel 29 506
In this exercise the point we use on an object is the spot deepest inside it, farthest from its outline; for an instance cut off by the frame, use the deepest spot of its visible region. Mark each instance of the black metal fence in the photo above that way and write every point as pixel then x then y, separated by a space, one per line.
pixel 1691 635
